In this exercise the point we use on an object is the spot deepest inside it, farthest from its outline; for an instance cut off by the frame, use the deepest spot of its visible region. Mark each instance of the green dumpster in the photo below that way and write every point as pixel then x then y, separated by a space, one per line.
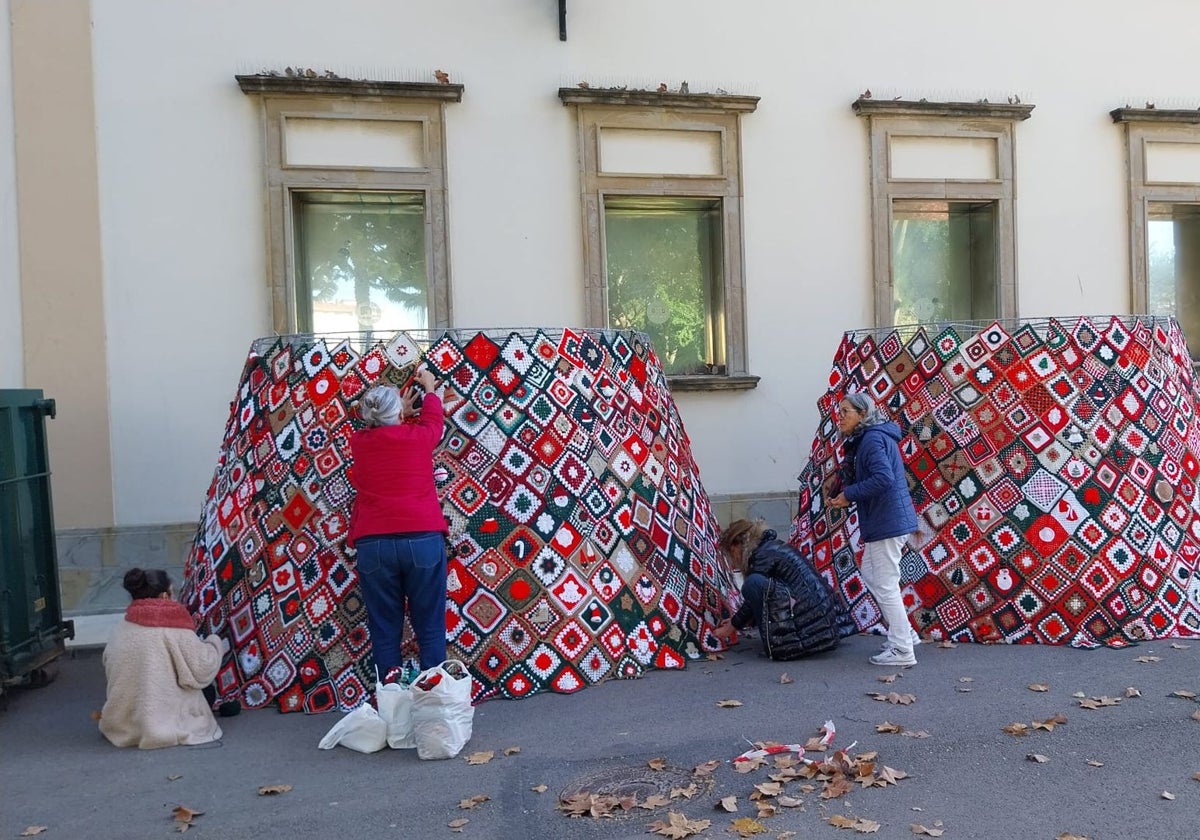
pixel 32 630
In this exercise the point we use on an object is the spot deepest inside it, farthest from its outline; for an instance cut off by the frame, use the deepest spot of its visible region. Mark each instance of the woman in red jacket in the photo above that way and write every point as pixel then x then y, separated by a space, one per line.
pixel 397 524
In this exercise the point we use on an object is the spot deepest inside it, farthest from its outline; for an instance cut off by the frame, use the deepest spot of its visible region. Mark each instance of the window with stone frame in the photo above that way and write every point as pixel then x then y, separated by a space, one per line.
pixel 943 210
pixel 1164 214
pixel 662 211
pixel 356 202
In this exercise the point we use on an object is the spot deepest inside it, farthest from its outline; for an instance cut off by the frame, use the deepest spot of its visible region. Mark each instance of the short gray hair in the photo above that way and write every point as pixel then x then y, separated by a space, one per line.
pixel 864 405
pixel 381 406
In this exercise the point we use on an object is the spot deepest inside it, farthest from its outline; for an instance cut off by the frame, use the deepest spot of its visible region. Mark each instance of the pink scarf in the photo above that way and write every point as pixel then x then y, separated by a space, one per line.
pixel 159 612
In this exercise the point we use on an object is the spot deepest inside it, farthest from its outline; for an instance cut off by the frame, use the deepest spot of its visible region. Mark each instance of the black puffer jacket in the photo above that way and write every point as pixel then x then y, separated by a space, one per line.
pixel 800 614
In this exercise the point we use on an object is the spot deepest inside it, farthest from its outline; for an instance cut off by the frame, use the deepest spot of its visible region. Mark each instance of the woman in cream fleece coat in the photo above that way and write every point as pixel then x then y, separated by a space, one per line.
pixel 156 666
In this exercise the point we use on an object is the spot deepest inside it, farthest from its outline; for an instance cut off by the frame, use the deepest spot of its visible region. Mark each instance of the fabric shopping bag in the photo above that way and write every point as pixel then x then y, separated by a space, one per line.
pixel 442 714
pixel 395 702
pixel 362 730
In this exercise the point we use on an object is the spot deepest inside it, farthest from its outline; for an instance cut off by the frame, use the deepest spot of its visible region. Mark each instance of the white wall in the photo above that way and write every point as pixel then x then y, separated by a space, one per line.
pixel 12 373
pixel 182 191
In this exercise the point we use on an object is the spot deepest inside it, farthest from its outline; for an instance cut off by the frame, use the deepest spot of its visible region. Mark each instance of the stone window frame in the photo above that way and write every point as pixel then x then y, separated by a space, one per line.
pixel 597 109
pixel 1144 126
pixel 285 97
pixel 975 120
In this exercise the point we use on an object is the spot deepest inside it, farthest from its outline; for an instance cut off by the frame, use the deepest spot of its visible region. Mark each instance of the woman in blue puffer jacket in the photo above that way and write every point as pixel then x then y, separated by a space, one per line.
pixel 874 480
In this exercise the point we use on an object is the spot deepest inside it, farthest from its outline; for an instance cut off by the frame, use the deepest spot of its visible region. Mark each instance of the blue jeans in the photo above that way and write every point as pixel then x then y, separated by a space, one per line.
pixel 754 588
pixel 395 568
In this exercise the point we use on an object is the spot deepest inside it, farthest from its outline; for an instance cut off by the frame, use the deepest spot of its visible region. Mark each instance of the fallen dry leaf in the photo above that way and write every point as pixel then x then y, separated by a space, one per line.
pixel 789 802
pixel 1037 758
pixel 932 832
pixel 182 814
pixel 1147 659
pixel 1183 694
pixel 656 763
pixel 468 804
pixel 835 788
pixel 889 678
pixel 706 768
pixel 729 803
pixel 653 801
pixel 889 728
pixel 715 657
pixel 963 689
pixel 1049 723
pixel 966 679
pixel 481 757
pixel 862 826
pixel 1132 692
pixel 1196 715
pixel 838 821
pixel 747 826
pixel 786 761
pixel 32 830
pixel 749 764
pixel 538 788
pixel 1066 836
pixel 272 790
pixel 728 704
pixel 889 776
pixel 916 733
pixel 814 744
pixel 1178 646
pixel 893 697
pixel 785 835
pixel 765 809
pixel 1091 762
pixel 1018 729
pixel 947 645
pixel 174 777
pixel 1038 687
pixel 1099 702
pixel 769 788
pixel 457 825
pixel 784 679
pixel 1078 695
pixel 1166 794
pixel 678 826
pixel 1196 777
pixel 511 750
pixel 686 792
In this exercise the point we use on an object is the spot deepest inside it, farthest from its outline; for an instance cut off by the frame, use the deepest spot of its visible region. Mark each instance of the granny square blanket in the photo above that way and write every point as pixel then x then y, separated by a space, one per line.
pixel 1053 465
pixel 582 544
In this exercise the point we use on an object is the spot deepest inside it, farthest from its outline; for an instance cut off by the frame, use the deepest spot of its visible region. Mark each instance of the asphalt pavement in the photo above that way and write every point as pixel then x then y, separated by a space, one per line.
pixel 1109 772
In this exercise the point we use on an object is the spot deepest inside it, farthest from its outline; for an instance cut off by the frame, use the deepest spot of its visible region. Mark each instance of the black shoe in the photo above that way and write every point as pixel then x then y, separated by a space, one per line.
pixel 230 708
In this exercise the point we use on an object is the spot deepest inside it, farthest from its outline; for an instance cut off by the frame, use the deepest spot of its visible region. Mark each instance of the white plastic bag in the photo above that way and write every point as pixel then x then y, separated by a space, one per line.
pixel 442 713
pixel 395 703
pixel 362 730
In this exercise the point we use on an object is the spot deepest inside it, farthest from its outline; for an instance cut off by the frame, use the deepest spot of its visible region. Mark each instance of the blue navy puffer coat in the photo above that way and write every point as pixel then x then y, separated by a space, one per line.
pixel 877 483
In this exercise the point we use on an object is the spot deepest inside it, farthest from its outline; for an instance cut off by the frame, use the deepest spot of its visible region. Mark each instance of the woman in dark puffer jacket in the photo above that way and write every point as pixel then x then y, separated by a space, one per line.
pixel 792 606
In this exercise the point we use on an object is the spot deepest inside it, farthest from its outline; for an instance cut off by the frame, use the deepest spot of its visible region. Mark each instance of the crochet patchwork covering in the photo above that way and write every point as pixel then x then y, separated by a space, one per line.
pixel 582 544
pixel 1054 467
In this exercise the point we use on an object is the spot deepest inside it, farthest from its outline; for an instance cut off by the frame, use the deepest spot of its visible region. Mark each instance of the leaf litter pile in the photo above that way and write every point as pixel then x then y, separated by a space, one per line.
pixel 791 776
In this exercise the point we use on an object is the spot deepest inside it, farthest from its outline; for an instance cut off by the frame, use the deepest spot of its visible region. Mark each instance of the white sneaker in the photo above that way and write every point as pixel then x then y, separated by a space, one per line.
pixel 894 656
pixel 916 640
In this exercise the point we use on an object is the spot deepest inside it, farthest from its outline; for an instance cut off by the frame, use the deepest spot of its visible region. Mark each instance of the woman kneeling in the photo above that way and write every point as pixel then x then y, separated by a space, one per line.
pixel 792 606
pixel 156 668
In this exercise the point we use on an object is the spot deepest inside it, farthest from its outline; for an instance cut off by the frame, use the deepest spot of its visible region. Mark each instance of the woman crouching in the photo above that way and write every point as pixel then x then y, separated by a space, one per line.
pixel 792 606
pixel 157 667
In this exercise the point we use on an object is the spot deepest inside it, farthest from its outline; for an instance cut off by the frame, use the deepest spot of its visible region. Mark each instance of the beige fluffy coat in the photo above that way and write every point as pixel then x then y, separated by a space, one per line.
pixel 155 675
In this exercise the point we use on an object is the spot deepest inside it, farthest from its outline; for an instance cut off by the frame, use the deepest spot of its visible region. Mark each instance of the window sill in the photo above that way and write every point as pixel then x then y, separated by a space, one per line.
pixel 701 382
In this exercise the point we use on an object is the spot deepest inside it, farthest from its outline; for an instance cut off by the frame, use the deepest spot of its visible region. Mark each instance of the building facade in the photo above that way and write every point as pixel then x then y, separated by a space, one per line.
pixel 745 182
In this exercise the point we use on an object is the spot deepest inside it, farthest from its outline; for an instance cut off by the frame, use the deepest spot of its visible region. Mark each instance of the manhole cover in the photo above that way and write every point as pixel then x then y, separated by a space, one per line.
pixel 638 782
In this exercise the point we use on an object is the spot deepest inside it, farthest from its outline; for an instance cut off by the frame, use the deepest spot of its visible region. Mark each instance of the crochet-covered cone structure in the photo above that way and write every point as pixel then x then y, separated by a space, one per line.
pixel 1054 467
pixel 582 544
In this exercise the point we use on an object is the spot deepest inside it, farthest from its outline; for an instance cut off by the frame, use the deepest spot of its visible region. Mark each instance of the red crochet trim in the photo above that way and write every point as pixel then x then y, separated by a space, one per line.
pixel 159 612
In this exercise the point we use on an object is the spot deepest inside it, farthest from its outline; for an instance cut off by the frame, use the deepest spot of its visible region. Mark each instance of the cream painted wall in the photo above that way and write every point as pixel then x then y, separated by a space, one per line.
pixel 182 190
pixel 12 374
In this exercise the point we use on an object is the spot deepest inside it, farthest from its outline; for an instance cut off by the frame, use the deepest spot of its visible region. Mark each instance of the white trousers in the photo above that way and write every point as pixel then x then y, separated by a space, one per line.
pixel 881 573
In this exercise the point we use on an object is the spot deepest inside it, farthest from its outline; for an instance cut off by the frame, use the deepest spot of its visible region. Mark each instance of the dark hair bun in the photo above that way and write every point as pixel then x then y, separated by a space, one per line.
pixel 146 583
pixel 135 581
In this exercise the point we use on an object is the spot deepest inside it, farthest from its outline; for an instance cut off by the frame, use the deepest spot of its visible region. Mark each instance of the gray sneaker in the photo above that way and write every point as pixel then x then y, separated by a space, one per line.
pixel 894 656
